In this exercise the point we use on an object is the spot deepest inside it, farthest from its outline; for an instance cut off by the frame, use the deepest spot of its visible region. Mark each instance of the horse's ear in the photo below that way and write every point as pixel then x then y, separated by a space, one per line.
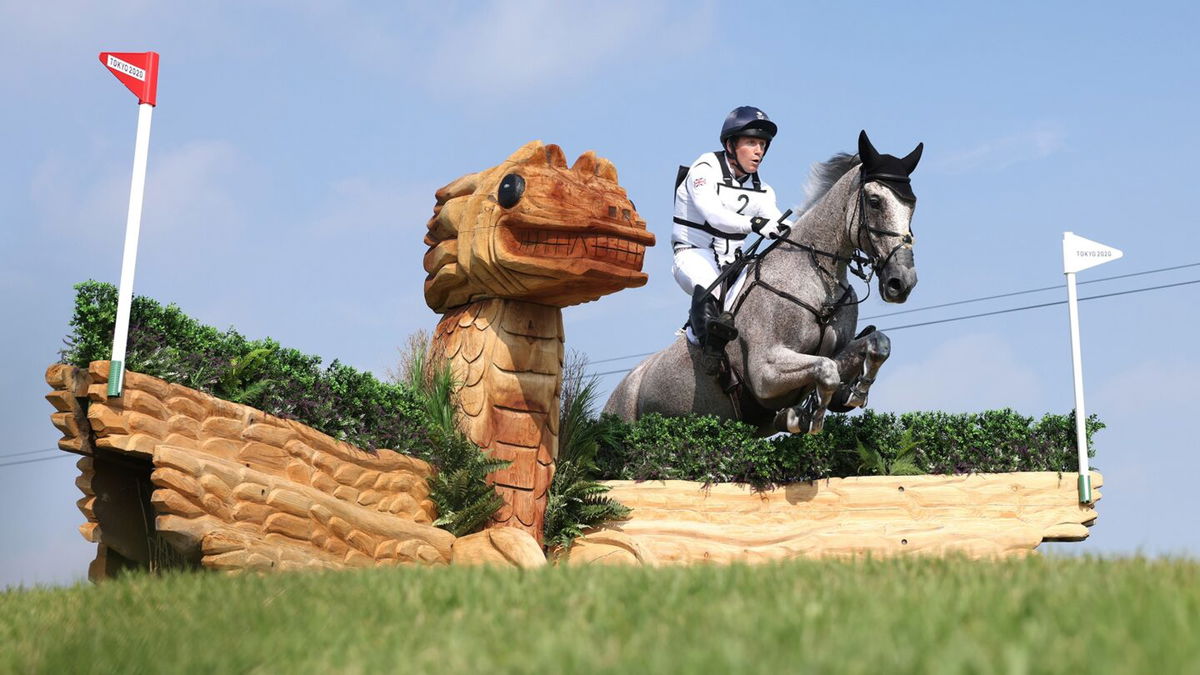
pixel 910 162
pixel 867 152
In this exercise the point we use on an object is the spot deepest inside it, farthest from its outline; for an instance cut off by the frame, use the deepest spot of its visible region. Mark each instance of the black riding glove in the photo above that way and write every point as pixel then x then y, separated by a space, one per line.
pixel 765 228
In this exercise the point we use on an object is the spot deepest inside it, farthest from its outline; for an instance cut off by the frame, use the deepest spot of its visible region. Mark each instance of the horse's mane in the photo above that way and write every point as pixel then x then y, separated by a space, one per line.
pixel 823 175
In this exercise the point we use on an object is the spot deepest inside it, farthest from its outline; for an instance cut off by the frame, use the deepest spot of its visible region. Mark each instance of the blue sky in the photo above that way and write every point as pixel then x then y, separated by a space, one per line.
pixel 297 145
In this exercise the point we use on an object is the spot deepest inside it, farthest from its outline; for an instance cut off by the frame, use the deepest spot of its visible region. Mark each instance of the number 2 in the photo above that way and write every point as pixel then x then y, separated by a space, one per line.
pixel 745 200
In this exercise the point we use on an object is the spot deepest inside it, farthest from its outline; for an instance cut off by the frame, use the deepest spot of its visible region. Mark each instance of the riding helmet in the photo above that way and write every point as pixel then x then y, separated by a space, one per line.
pixel 748 121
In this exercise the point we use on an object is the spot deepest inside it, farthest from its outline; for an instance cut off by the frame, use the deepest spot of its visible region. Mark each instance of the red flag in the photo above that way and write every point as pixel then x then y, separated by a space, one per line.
pixel 138 71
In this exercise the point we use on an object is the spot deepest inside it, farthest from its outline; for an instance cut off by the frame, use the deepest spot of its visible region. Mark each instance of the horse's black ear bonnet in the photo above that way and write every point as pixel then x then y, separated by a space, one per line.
pixel 892 171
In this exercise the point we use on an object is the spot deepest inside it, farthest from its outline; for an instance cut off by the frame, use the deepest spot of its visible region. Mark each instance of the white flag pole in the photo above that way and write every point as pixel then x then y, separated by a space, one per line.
pixel 1085 478
pixel 133 224
pixel 1080 254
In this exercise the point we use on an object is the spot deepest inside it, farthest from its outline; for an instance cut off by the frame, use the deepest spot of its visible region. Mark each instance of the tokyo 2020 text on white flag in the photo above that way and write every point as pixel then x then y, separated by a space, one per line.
pixel 139 73
pixel 1080 254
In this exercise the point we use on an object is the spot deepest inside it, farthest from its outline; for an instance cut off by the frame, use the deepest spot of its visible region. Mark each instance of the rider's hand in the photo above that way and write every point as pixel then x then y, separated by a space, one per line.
pixel 768 229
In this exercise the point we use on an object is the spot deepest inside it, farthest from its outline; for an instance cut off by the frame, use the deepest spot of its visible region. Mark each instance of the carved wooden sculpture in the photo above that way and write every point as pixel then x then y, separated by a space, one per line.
pixel 508 248
pixel 231 487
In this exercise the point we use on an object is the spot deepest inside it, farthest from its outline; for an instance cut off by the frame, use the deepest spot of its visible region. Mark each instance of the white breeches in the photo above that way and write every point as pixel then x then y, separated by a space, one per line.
pixel 695 267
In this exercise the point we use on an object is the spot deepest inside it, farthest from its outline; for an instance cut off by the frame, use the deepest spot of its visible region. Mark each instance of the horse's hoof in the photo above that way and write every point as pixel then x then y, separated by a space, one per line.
pixel 787 420
pixel 817 423
pixel 856 399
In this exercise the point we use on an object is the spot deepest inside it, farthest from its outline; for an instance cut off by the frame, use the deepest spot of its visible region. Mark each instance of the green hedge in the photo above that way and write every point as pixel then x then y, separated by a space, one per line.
pixel 345 403
pixel 717 451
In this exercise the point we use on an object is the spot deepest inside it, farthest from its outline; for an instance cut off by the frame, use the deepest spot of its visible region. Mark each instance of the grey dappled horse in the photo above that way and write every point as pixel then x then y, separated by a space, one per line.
pixel 797 353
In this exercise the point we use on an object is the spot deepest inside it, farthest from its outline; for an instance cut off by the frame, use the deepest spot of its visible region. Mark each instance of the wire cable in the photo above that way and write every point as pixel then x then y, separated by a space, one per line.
pixel 964 302
pixel 39 459
pixel 1027 291
pixel 28 453
pixel 1001 311
pixel 1041 305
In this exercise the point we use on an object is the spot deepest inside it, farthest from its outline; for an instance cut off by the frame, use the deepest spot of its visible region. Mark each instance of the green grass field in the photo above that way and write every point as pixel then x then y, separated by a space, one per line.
pixel 913 615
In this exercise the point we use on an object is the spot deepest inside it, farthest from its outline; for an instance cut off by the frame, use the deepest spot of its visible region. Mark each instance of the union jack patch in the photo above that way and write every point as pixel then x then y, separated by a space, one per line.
pixel 698 182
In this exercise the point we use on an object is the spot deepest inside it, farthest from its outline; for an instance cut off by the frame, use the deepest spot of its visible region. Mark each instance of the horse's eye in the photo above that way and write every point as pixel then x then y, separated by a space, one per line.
pixel 510 191
pixel 874 201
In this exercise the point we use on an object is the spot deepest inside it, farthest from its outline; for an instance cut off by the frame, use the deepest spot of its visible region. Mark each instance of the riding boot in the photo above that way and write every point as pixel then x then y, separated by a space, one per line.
pixel 716 330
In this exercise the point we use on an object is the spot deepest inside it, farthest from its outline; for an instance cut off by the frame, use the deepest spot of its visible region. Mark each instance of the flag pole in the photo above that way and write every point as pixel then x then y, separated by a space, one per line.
pixel 133 225
pixel 1085 478
pixel 1080 254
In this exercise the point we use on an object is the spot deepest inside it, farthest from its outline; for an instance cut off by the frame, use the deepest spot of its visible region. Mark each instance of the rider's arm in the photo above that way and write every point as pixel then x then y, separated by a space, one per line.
pixel 702 183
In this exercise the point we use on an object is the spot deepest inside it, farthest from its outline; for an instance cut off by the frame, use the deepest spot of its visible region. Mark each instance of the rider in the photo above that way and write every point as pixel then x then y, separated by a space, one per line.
pixel 719 200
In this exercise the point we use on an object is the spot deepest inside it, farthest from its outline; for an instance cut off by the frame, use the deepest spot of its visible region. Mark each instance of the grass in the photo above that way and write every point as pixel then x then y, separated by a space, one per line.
pixel 905 615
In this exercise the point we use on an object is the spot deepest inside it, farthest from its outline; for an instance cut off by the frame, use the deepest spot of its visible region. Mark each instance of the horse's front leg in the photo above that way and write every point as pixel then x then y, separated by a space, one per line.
pixel 858 364
pixel 778 372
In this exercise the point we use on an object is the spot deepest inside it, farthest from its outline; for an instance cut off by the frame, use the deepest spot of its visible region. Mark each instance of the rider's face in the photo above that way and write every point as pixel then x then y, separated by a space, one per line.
pixel 749 152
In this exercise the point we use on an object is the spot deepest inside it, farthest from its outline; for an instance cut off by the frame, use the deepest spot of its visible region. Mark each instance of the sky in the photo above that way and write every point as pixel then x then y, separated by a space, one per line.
pixel 296 147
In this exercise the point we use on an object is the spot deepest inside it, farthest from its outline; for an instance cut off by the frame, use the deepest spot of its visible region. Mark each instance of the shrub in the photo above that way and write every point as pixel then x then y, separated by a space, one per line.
pixel 338 400
pixel 712 450
pixel 577 501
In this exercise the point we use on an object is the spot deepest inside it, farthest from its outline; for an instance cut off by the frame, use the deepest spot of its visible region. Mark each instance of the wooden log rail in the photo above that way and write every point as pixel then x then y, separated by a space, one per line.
pixel 977 515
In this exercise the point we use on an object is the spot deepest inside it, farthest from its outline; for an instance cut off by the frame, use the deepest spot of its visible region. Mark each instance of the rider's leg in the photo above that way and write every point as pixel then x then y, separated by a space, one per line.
pixel 713 328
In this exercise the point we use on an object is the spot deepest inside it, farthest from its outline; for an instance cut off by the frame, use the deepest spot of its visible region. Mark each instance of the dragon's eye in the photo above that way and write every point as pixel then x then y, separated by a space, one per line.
pixel 511 189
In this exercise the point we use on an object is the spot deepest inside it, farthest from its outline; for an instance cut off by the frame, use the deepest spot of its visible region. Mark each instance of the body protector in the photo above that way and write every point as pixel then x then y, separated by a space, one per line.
pixel 714 212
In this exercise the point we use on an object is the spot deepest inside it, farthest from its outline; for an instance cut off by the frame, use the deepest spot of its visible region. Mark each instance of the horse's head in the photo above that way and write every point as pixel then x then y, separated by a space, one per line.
pixel 881 224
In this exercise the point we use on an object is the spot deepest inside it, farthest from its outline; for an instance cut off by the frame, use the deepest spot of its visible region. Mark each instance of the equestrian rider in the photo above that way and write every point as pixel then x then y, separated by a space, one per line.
pixel 719 200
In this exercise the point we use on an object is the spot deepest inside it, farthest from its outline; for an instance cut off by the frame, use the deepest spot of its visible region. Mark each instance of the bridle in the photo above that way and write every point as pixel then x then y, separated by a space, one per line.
pixel 862 263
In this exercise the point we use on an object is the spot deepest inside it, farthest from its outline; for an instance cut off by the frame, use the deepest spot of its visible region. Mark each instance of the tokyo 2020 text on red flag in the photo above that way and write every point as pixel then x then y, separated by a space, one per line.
pixel 138 71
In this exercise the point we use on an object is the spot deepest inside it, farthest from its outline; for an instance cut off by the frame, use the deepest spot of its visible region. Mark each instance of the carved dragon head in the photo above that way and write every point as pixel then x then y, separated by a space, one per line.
pixel 532 229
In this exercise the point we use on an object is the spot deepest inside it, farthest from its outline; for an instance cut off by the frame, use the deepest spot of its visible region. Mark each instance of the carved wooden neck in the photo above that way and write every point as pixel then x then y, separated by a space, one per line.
pixel 508 357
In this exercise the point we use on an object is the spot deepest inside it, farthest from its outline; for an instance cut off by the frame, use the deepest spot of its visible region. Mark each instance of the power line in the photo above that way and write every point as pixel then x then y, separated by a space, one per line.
pixel 39 459
pixel 1039 306
pixel 622 358
pixel 27 452
pixel 1031 290
pixel 961 302
pixel 1002 311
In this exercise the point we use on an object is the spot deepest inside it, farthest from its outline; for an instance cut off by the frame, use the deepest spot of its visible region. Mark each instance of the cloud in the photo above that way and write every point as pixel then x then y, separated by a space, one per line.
pixel 194 187
pixel 966 374
pixel 504 50
pixel 362 203
pixel 512 48
pixel 994 154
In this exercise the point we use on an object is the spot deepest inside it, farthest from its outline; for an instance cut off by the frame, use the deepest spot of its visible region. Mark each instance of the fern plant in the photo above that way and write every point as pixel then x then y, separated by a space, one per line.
pixel 577 501
pixel 241 383
pixel 459 487
pixel 903 461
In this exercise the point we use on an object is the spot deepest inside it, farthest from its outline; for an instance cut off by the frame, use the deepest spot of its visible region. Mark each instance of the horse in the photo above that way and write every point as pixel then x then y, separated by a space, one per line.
pixel 797 353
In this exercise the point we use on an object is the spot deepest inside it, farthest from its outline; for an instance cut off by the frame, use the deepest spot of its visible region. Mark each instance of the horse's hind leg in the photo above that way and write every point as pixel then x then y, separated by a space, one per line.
pixel 858 364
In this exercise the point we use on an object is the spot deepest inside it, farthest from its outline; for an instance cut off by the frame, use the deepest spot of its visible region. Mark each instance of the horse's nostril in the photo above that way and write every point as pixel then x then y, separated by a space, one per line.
pixel 894 287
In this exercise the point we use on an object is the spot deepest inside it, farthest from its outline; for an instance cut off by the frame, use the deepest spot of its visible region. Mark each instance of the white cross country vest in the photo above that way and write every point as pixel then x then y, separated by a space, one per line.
pixel 713 211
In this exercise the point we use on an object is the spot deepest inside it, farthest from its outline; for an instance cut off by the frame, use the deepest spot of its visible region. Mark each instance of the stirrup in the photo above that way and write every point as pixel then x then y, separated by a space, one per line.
pixel 722 329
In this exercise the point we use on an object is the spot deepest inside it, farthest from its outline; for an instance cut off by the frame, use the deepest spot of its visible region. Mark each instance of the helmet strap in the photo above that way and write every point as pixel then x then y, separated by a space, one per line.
pixel 731 154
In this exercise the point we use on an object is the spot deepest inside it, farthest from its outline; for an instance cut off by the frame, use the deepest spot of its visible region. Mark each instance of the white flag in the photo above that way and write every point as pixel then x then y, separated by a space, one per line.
pixel 1080 254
